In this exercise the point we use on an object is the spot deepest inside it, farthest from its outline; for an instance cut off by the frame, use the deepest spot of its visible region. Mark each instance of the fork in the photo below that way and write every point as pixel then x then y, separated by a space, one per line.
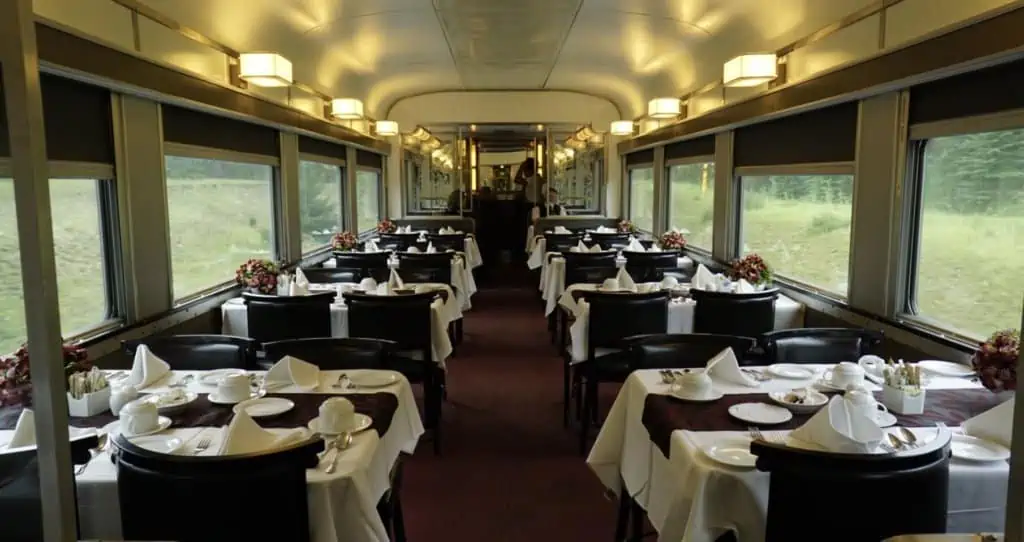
pixel 202 445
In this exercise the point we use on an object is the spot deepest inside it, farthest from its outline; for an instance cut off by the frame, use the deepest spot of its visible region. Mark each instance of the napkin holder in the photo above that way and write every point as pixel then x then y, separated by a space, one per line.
pixel 905 401
pixel 89 404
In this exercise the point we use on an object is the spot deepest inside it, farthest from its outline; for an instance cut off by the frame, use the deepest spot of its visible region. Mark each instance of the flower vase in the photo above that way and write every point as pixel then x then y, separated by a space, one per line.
pixel 89 404
pixel 902 401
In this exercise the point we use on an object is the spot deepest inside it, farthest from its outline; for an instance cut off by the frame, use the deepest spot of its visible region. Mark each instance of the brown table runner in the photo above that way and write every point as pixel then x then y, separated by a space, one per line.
pixel 380 407
pixel 664 414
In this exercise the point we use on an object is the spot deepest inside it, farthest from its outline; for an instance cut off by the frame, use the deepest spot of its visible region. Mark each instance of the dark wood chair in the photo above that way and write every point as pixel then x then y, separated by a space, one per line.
pixel 198 352
pixel 364 264
pixel 683 350
pixel 331 275
pixel 332 354
pixel 651 266
pixel 398 242
pixel 819 345
pixel 277 318
pixel 610 241
pixel 724 313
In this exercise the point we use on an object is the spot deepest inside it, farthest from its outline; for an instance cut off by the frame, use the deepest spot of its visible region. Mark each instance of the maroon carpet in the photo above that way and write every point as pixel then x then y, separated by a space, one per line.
pixel 509 471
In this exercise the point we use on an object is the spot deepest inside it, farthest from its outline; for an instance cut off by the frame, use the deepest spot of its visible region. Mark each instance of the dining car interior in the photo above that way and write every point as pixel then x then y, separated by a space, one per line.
pixel 511 271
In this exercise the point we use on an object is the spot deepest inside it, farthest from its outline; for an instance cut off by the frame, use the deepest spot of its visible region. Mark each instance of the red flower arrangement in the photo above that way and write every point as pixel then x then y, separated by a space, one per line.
pixel 387 226
pixel 16 379
pixel 344 241
pixel 625 226
pixel 996 360
pixel 673 240
pixel 258 275
pixel 752 268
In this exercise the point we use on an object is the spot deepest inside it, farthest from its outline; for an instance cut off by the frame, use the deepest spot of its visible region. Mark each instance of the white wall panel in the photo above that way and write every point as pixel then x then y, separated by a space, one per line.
pixel 848 45
pixel 503 107
pixel 912 19
pixel 103 19
pixel 166 45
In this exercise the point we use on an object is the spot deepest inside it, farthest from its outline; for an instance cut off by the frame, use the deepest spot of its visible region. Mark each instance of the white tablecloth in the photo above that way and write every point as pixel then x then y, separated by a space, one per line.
pixel 690 498
pixel 462 279
pixel 552 278
pixel 235 321
pixel 342 505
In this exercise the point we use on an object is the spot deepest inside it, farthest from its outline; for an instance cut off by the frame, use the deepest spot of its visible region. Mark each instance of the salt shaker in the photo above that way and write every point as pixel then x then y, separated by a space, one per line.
pixel 121 396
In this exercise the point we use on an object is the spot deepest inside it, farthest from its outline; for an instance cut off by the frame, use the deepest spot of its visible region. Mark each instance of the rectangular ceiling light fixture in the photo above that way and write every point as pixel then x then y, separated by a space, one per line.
pixel 622 127
pixel 265 69
pixel 346 108
pixel 387 128
pixel 750 70
pixel 664 108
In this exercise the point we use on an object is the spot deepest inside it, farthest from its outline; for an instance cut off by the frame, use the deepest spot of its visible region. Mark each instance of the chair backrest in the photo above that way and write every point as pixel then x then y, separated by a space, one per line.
pixel 819 345
pixel 616 316
pixel 21 503
pixel 198 352
pixel 589 267
pixel 398 241
pixel 683 350
pixel 333 353
pixel 277 318
pixel 724 313
pixel 455 222
pixel 218 494
pixel 560 242
pixel 331 275
pixel 878 485
pixel 610 240
pixel 447 242
pixel 422 267
pixel 650 266
pixel 403 319
pixel 364 264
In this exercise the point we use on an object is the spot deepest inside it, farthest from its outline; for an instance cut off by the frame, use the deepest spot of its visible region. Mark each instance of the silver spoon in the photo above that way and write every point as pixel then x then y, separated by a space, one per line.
pixel 339 445
pixel 101 444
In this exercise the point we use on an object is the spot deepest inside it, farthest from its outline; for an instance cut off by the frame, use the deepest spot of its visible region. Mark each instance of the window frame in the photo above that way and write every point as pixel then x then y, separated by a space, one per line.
pixel 912 201
pixel 381 196
pixel 327 161
pixel 667 204
pixel 627 211
pixel 181 150
pixel 820 168
pixel 104 178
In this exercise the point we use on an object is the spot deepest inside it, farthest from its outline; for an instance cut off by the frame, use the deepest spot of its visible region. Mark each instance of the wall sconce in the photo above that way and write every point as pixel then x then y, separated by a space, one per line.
pixel 585 133
pixel 750 70
pixel 664 108
pixel 386 128
pixel 622 127
pixel 421 133
pixel 265 69
pixel 346 108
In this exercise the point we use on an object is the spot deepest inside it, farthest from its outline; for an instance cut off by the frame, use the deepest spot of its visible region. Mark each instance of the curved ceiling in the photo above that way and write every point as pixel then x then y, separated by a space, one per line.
pixel 625 50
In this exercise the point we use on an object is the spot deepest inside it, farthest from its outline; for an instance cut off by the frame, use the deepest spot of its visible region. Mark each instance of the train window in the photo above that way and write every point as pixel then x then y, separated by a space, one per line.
pixel 641 197
pixel 80 260
pixel 220 214
pixel 969 230
pixel 691 191
pixel 800 225
pixel 320 211
pixel 368 199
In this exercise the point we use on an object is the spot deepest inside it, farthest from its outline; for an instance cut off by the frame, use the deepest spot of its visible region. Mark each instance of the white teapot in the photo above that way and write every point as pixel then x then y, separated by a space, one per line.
pixel 859 399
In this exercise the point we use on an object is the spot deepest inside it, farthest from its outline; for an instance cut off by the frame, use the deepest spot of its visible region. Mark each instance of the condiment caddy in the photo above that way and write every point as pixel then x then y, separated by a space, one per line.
pixel 88 393
pixel 902 392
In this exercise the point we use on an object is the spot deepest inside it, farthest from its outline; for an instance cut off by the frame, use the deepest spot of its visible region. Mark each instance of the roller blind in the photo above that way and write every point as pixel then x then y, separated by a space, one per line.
pixel 701 146
pixel 320 147
pixel 822 135
pixel 982 92
pixel 191 127
pixel 369 159
pixel 640 157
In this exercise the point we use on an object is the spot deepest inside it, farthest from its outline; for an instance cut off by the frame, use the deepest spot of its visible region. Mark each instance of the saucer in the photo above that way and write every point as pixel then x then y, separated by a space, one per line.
pixel 265 407
pixel 362 423
pixel 711 395
pixel 812 400
pixel 212 378
pixel 760 413
pixel 374 379
pixel 173 401
pixel 790 371
pixel 114 427
pixel 976 449
pixel 826 385
pixel 885 419
pixel 732 451
pixel 215 399
pixel 164 444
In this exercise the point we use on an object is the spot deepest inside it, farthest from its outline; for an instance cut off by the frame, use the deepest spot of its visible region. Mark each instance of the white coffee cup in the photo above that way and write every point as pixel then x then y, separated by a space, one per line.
pixel 368 285
pixel 845 374
pixel 610 285
pixel 337 415
pixel 694 383
pixel 233 388
pixel 861 400
pixel 669 282
pixel 138 417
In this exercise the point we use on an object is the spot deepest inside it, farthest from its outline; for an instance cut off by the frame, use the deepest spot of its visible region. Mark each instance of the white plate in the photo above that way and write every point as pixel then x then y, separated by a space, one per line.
pixel 976 449
pixel 946 368
pixel 373 379
pixel 885 419
pixel 213 398
pixel 760 413
pixel 363 422
pixel 265 407
pixel 813 401
pixel 826 385
pixel 173 406
pixel 114 427
pixel 164 444
pixel 713 395
pixel 74 433
pixel 733 451
pixel 212 378
pixel 791 371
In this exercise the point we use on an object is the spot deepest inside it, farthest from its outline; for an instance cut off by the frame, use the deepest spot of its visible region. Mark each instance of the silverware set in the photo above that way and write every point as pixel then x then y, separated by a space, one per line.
pixel 756 375
pixel 202 445
pixel 668 376
pixel 896 444
pixel 101 444
pixel 184 382
pixel 756 434
pixel 339 445
pixel 344 382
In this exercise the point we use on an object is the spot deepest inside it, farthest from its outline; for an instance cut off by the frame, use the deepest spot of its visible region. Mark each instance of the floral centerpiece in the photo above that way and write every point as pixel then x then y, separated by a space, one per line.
pixel 673 240
pixel 996 360
pixel 344 241
pixel 752 268
pixel 387 226
pixel 625 226
pixel 16 378
pixel 258 275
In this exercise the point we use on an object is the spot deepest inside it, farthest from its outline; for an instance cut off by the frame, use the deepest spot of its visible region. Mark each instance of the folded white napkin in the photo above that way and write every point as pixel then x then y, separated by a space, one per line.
pixel 561 229
pixel 146 368
pixel 995 424
pixel 431 249
pixel 24 430
pixel 625 281
pixel 724 366
pixel 654 248
pixel 635 246
pixel 290 371
pixel 404 229
pixel 580 247
pixel 595 248
pixel 704 279
pixel 368 284
pixel 385 288
pixel 295 288
pixel 604 229
pixel 422 237
pixel 245 436
pixel 413 249
pixel 669 282
pixel 300 278
pixel 744 287
pixel 395 281
pixel 371 246
pixel 563 211
pixel 841 429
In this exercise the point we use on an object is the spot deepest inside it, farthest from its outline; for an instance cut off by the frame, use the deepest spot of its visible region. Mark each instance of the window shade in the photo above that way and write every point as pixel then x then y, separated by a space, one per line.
pixel 640 157
pixel 76 117
pixel 822 135
pixel 369 159
pixel 190 127
pixel 320 147
pixel 702 146
pixel 982 92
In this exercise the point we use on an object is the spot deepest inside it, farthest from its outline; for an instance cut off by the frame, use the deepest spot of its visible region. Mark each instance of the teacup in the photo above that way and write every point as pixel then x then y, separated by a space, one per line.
pixel 872 364
pixel 694 383
pixel 610 285
pixel 861 400
pixel 139 417
pixel 337 415
pixel 844 375
pixel 368 285
pixel 233 388
pixel 669 282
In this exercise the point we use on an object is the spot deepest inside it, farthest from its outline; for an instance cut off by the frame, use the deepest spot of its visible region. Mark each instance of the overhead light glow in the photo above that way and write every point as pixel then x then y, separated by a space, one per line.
pixel 664 108
pixel 622 127
pixel 346 108
pixel 750 70
pixel 421 133
pixel 585 133
pixel 265 69
pixel 387 128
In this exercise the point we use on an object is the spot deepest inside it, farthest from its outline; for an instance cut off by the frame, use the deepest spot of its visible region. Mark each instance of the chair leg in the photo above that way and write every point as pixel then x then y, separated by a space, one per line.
pixel 622 518
pixel 636 521
pixel 577 391
pixel 589 389
pixel 566 378
pixel 552 327
pixel 436 400
pixel 397 519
